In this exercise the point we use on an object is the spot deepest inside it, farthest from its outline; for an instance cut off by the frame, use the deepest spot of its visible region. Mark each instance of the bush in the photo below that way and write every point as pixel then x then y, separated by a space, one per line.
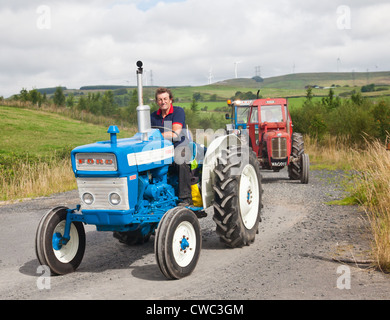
pixel 355 118
pixel 368 88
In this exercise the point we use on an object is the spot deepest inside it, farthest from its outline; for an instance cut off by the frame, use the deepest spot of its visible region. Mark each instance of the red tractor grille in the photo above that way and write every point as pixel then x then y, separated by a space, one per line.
pixel 279 148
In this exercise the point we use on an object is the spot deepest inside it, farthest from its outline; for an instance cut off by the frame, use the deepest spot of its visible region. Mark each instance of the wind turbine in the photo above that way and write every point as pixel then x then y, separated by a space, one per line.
pixel 235 68
pixel 210 77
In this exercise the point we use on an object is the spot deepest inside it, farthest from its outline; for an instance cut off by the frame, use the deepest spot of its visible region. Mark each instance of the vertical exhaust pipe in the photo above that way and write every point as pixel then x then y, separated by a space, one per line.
pixel 143 111
pixel 140 71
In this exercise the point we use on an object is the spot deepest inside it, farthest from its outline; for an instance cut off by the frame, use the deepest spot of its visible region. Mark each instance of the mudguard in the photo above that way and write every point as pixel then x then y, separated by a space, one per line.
pixel 211 161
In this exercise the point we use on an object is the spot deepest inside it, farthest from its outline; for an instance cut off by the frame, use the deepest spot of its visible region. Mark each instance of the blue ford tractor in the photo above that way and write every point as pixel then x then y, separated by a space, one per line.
pixel 125 187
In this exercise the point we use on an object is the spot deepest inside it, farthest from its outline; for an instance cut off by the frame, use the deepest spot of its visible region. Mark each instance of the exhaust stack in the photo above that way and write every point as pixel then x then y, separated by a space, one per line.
pixel 143 111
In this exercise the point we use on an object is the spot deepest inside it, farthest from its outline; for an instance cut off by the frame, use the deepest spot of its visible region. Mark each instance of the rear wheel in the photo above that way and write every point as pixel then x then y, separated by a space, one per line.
pixel 298 168
pixel 178 243
pixel 305 164
pixel 297 150
pixel 237 197
pixel 61 257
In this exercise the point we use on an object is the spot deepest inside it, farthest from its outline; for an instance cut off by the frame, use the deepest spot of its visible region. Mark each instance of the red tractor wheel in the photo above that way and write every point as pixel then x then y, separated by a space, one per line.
pixel 305 168
pixel 298 168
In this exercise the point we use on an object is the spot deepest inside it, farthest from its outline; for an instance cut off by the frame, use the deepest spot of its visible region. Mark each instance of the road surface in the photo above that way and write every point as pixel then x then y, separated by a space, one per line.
pixel 301 252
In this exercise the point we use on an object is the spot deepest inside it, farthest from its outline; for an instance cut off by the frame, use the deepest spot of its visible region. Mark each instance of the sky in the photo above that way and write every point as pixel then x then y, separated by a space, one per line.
pixel 49 43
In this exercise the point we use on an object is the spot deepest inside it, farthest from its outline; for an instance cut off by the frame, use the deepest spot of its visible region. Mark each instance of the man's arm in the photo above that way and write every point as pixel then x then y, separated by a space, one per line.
pixel 176 127
pixel 178 122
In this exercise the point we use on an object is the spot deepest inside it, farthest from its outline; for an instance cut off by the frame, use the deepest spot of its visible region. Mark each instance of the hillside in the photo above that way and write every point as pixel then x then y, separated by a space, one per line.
pixel 296 81
pixel 300 80
pixel 291 85
pixel 213 96
pixel 41 133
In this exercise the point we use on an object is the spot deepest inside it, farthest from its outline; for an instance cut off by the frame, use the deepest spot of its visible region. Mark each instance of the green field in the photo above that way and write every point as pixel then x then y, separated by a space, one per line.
pixel 292 86
pixel 211 105
pixel 289 86
pixel 40 133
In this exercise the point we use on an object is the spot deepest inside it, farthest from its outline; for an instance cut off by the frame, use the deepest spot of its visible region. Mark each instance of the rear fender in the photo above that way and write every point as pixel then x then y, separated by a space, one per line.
pixel 210 163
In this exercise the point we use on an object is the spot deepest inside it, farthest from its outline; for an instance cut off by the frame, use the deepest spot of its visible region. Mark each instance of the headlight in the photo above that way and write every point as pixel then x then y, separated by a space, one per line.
pixel 114 199
pixel 88 198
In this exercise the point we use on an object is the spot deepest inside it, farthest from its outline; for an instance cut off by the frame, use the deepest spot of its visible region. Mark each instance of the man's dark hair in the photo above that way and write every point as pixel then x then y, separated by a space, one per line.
pixel 164 90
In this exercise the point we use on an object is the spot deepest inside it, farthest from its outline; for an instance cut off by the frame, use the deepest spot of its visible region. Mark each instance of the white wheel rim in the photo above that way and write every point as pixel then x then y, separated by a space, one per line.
pixel 184 232
pixel 67 252
pixel 249 196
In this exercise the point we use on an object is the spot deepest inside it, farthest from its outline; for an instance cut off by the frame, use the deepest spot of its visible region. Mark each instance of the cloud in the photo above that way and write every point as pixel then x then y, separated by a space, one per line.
pixel 98 41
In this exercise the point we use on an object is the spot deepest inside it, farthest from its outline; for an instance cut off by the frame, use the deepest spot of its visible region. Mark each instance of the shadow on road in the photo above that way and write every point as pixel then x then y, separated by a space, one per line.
pixel 103 253
pixel 270 177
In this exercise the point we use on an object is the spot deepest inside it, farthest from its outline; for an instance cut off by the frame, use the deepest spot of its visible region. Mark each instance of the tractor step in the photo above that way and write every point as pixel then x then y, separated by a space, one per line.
pixel 201 214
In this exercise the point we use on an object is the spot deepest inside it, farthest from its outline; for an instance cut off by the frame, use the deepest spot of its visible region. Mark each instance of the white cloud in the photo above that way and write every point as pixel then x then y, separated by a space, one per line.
pixel 98 42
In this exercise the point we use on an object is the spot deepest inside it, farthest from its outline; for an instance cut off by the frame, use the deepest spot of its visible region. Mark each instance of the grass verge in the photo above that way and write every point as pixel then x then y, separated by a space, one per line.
pixel 29 180
pixel 368 185
pixel 35 148
pixel 372 189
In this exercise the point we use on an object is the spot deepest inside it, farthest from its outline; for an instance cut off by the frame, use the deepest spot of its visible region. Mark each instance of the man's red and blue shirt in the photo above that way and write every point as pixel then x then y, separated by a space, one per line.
pixel 175 115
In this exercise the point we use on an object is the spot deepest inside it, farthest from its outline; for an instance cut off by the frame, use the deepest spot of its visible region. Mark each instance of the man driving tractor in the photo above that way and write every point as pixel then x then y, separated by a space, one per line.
pixel 170 120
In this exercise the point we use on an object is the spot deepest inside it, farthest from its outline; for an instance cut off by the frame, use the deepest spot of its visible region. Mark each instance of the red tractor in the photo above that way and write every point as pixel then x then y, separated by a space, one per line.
pixel 267 124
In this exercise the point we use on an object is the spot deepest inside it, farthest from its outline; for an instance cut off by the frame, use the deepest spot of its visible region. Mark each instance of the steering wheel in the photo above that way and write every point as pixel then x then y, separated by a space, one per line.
pixel 166 129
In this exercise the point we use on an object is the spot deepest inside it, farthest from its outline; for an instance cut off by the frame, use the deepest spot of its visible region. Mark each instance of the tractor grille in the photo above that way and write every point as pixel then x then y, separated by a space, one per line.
pixel 279 148
pixel 100 189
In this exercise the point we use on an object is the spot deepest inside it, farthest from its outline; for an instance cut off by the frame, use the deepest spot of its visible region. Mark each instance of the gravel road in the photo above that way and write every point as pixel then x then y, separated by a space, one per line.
pixel 300 253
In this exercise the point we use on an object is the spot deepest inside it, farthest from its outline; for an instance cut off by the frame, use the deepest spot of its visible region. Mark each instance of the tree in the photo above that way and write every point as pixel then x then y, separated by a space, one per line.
pixel 34 96
pixel 244 95
pixel 309 93
pixel 194 105
pixel 197 96
pixel 130 111
pixel 59 97
pixel 249 95
pixel 213 97
pixel 133 103
pixel 70 101
pixel 108 104
pixel 368 88
pixel 82 105
pixel 357 98
pixel 381 113
pixel 24 95
pixel 331 101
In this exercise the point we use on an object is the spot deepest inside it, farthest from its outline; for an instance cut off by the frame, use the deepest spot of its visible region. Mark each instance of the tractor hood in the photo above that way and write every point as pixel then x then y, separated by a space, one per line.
pixel 120 157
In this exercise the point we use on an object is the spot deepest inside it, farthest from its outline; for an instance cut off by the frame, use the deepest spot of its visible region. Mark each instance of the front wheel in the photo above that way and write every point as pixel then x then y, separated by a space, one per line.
pixel 178 243
pixel 60 256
